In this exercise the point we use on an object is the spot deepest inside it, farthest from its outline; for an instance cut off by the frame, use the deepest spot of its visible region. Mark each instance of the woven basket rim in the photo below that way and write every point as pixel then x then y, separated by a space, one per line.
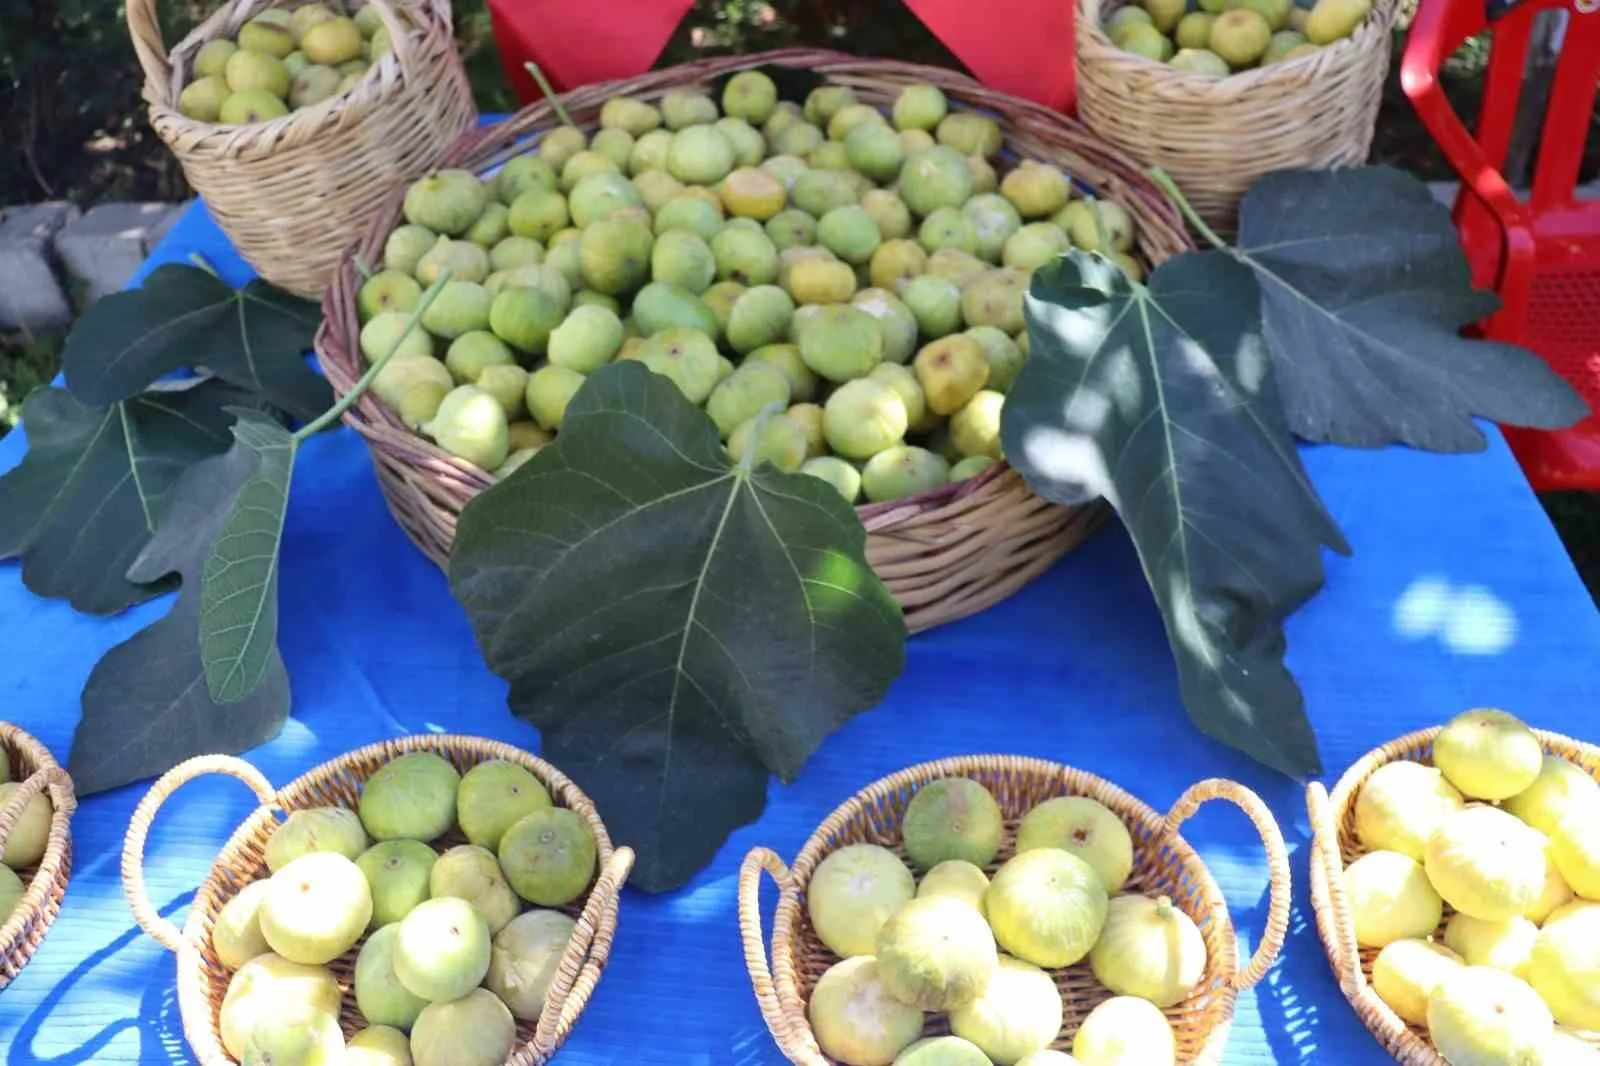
pixel 1328 811
pixel 21 933
pixel 777 982
pixel 600 901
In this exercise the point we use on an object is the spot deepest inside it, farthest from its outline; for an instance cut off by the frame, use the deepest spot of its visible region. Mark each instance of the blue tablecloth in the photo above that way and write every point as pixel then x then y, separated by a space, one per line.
pixel 1458 594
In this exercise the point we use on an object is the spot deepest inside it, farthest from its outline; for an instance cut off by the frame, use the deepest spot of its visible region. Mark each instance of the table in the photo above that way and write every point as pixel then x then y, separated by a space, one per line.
pixel 1458 594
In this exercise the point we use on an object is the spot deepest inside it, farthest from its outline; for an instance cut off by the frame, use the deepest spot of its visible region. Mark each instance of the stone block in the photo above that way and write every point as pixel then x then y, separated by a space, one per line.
pixel 103 249
pixel 32 299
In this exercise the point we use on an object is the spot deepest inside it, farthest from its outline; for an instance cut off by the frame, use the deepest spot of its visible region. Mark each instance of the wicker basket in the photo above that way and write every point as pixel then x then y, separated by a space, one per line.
pixel 293 194
pixel 1217 136
pixel 37 770
pixel 203 980
pixel 944 554
pixel 1334 844
pixel 1163 863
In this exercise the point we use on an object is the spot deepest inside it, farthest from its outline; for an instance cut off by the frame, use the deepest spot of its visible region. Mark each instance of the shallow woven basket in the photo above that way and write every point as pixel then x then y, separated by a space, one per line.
pixel 203 980
pixel 946 553
pixel 36 769
pixel 1334 845
pixel 1164 864
pixel 293 194
pixel 1217 136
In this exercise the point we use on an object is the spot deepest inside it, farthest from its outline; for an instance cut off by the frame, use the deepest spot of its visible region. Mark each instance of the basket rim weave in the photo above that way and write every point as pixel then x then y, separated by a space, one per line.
pixel 775 978
pixel 1335 926
pixel 581 964
pixel 22 932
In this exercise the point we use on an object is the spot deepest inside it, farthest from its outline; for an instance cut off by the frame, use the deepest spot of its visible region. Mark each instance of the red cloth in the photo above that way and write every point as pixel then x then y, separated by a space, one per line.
pixel 1022 47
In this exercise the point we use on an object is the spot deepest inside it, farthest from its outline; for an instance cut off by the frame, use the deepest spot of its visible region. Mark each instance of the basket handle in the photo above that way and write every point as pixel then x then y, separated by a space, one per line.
pixel 144 26
pixel 799 1047
pixel 46 777
pixel 144 912
pixel 1326 898
pixel 400 35
pixel 584 959
pixel 1277 865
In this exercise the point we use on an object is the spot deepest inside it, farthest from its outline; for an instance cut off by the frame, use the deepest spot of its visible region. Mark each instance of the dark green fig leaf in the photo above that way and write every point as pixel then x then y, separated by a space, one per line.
pixel 1365 290
pixel 92 486
pixel 1162 401
pixel 183 316
pixel 239 587
pixel 676 626
pixel 146 706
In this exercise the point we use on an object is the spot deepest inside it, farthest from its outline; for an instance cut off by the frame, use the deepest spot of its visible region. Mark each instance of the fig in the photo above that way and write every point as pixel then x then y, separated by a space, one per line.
pixel 1555 894
pixel 397 872
pixel 1567 1049
pixel 952 818
pixel 1407 972
pixel 1048 1057
pixel 378 1045
pixel 446 202
pixel 1481 1015
pixel 854 1018
pixel 269 987
pixel 836 472
pixel 400 377
pixel 1018 1013
pixel 875 150
pixel 920 107
pixel 951 371
pixel 748 145
pixel 1565 966
pixel 852 892
pixel 250 106
pixel 816 192
pixel 441 950
pixel 791 228
pixel 657 188
pixel 212 59
pixel 30 832
pixel 661 306
pixel 1283 42
pixel 1488 754
pixel 1240 37
pixel 903 470
pixel 681 258
pixel 493 796
pixel 538 213
pixel 786 357
pixel 975 428
pixel 1047 907
pixel 1036 190
pixel 558 146
pixel 745 255
pixel 960 267
pixel 469 424
pixel 523 436
pixel 796 140
pixel 1150 949
pixel 1505 944
pixel 405 247
pixel 935 177
pixel 387 290
pixel 251 71
pixel 851 117
pixel 598 196
pixel 1485 863
pixel 700 155
pixel 840 343
pixel 936 954
pixel 548 277
pixel 584 164
pixel 946 228
pixel 472 873
pixel 411 797
pixel 786 168
pixel 616 145
pixel 1575 848
pixel 995 299
pixel 750 192
pixel 460 307
pixel 1560 787
pixel 759 317
pixel 688 357
pixel 955 879
pixel 550 390
pixel 1194 31
pixel 614 255
pixel 333 41
pixel 525 959
pixel 683 107
pixel 994 220
pixel 864 417
pixel 1035 244
pixel 236 933
pixel 744 394
pixel 895 321
pixel 689 213
pixel 467 262
pixel 521 174
pixel 942 1051
pixel 311 1038
pixel 470 354
pixel 750 95
pixel 895 262
pixel 1002 354
pixel 984 178
pixel 549 857
pixel 1390 898
pixel 821 281
pixel 1400 806
pixel 888 212
pixel 380 996
pixel 808 416
pixel 1125 1031
pixel 849 233
pixel 508 385
pixel 970 133
pixel 202 99
pixel 782 443
pixel 1199 61
pixel 1333 20
pixel 315 908
pixel 823 102
pixel 524 318
pixel 904 382
pixel 969 467
pixel 935 302
pixel 475 1029
pixel 634 117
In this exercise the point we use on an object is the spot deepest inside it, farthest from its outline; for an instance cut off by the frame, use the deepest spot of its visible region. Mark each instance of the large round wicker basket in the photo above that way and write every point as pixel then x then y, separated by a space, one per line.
pixel 294 193
pixel 1218 136
pixel 36 770
pixel 203 979
pixel 1164 864
pixel 1334 845
pixel 944 554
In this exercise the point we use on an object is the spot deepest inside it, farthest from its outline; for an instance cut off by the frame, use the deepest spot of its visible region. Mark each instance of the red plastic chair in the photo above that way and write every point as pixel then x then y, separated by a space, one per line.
pixel 1541 254
pixel 1022 47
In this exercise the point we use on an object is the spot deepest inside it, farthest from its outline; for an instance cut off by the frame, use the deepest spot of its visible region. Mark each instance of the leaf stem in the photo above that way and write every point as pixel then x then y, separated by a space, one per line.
pixel 334 413
pixel 203 263
pixel 549 93
pixel 1170 187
